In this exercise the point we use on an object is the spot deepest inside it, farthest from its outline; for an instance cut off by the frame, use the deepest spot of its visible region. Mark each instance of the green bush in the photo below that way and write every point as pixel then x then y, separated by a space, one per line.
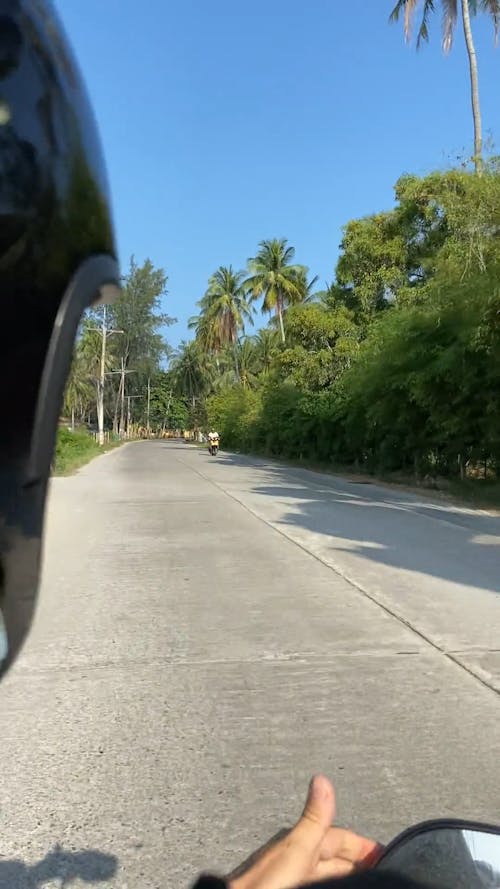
pixel 234 413
pixel 395 368
pixel 73 449
pixel 421 397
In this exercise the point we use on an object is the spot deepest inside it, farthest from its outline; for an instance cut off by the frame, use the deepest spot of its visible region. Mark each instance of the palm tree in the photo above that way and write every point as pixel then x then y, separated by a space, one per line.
pixel 266 344
pixel 275 278
pixel 191 371
pixel 450 15
pixel 306 284
pixel 248 362
pixel 204 330
pixel 226 309
pixel 79 390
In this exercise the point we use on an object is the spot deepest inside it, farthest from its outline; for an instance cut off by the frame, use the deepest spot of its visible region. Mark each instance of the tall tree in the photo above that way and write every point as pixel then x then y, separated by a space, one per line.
pixel 79 392
pixel 275 278
pixel 266 344
pixel 227 308
pixel 371 266
pixel 191 371
pixel 141 348
pixel 307 284
pixel 322 344
pixel 204 328
pixel 450 16
pixel 167 410
pixel 97 359
pixel 248 362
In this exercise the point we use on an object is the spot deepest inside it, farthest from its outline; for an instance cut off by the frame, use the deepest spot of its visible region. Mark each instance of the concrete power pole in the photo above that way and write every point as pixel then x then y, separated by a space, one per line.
pixel 100 382
pixel 129 412
pixel 102 376
pixel 148 410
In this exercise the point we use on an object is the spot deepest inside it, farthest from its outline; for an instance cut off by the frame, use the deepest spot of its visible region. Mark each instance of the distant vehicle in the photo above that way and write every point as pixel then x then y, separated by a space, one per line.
pixel 213 443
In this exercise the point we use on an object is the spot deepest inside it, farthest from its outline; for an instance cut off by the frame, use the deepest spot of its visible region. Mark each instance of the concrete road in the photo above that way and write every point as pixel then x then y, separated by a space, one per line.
pixel 214 630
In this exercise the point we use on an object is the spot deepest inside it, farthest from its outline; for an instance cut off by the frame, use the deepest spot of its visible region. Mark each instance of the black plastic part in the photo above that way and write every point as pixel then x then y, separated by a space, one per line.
pixel 84 289
pixel 57 253
pixel 436 824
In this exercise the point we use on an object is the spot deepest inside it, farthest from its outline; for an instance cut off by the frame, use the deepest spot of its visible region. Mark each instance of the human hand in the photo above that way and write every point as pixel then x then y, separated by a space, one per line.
pixel 312 850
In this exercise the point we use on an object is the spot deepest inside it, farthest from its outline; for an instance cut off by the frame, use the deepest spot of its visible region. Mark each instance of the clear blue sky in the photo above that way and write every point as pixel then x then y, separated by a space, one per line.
pixel 228 121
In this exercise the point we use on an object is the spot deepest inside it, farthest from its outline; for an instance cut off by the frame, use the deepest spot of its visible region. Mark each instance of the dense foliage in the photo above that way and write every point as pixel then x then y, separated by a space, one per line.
pixel 395 366
pixel 73 449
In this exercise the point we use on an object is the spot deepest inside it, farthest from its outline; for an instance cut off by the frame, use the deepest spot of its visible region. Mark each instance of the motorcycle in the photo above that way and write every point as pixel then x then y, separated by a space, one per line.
pixel 213 447
pixel 446 854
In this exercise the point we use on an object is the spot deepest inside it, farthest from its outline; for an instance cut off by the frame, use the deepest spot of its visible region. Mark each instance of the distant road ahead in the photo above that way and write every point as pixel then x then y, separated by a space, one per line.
pixel 214 630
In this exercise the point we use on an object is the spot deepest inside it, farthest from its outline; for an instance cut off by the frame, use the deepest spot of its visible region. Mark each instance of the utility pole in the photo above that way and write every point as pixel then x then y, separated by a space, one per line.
pixel 129 414
pixel 100 383
pixel 102 376
pixel 120 398
pixel 121 392
pixel 167 413
pixel 121 425
pixel 148 409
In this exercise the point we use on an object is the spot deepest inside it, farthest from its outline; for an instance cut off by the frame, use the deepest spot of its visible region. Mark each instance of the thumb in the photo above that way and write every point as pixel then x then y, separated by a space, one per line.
pixel 319 812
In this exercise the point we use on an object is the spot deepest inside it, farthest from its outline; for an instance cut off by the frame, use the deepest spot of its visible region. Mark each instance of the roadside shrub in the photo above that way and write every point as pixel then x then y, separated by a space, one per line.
pixel 73 449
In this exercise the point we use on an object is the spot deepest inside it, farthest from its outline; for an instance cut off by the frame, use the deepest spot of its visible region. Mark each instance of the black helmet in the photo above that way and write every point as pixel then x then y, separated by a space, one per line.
pixel 57 256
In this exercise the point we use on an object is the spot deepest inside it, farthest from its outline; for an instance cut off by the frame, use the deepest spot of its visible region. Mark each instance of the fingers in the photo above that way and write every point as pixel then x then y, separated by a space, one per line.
pixel 313 849
pixel 292 860
pixel 344 853
pixel 340 843
pixel 318 814
pixel 295 857
pixel 334 869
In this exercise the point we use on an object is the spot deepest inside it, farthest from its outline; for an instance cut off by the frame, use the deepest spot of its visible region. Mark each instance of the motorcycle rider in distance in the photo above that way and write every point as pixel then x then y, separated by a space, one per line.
pixel 213 442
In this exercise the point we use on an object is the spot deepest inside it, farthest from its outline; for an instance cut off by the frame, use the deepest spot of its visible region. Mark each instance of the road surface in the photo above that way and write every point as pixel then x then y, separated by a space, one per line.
pixel 214 630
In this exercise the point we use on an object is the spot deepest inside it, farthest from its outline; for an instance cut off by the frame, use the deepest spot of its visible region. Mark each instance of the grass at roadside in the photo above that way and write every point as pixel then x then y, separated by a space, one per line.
pixel 74 449
pixel 477 492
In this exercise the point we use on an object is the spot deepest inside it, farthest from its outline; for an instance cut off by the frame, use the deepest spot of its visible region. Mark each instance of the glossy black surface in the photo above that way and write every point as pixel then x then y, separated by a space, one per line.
pixel 54 205
pixel 446 855
pixel 55 220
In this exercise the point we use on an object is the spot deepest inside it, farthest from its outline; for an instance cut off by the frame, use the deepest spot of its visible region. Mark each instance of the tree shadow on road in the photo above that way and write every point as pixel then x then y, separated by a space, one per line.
pixel 87 866
pixel 381 525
